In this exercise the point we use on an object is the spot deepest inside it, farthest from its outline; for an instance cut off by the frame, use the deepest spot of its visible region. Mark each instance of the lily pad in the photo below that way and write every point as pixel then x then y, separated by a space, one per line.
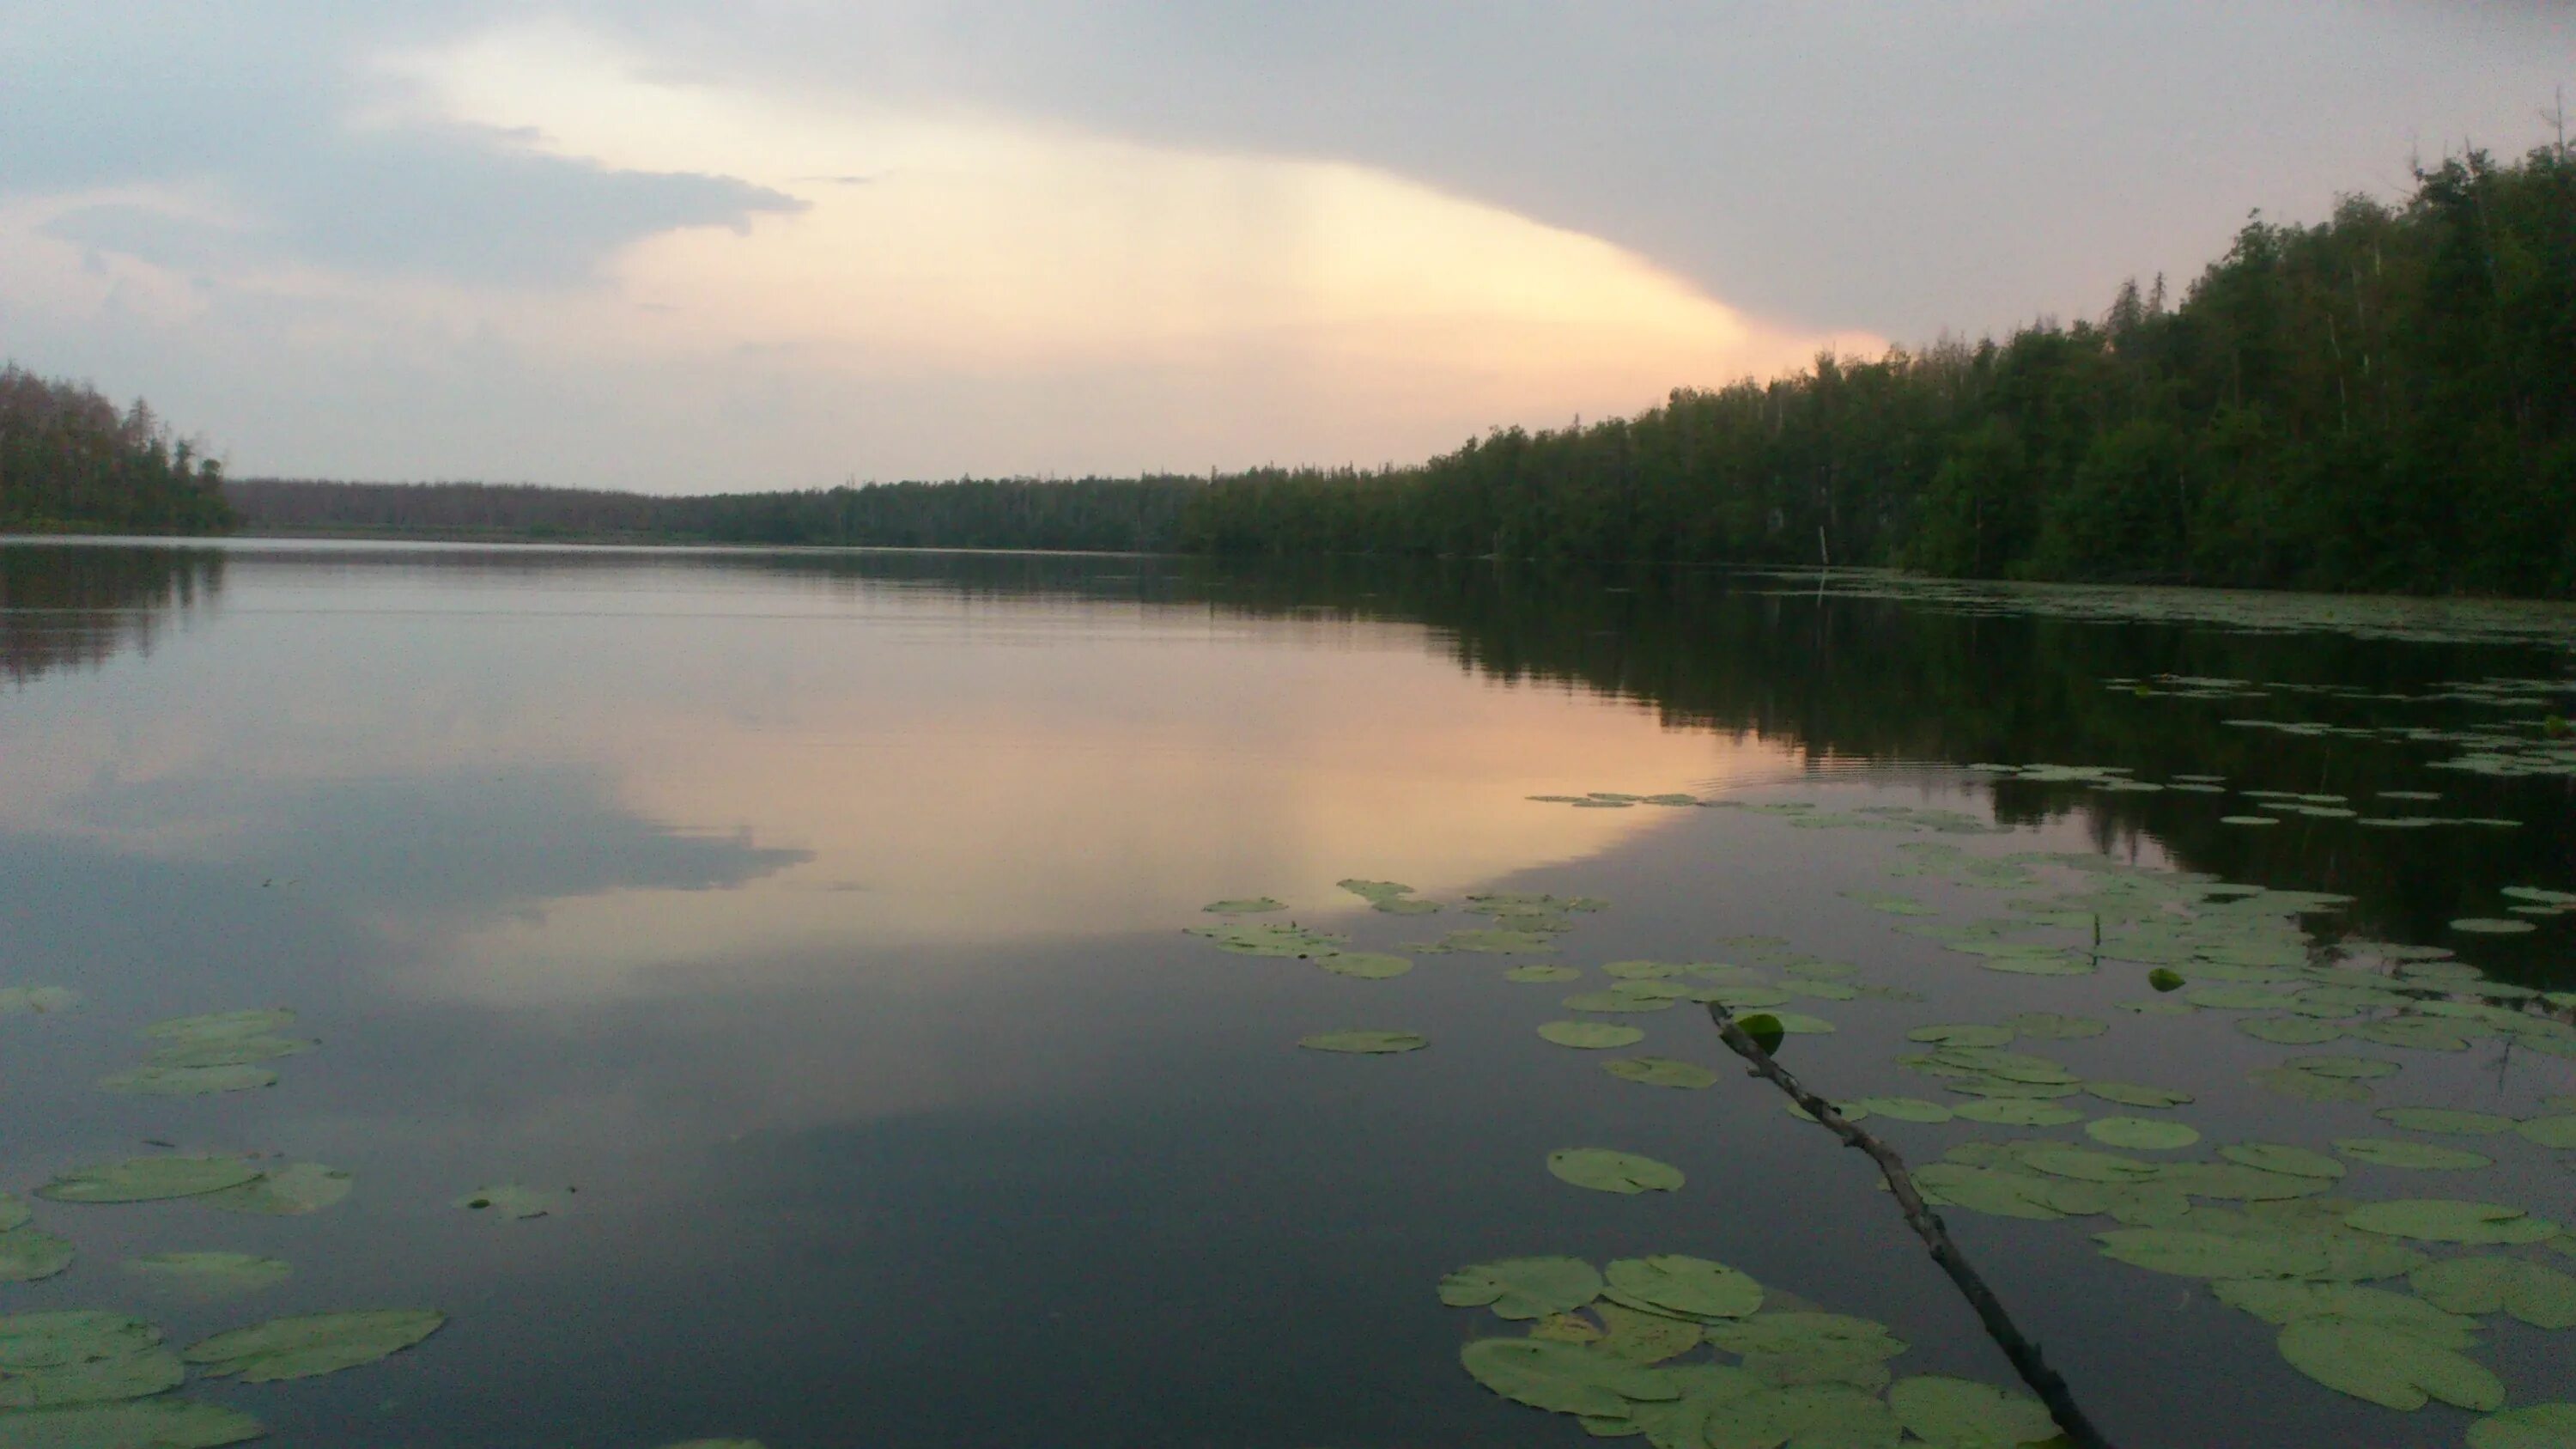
pixel 30 1254
pixel 2534 1426
pixel 508 1200
pixel 2491 926
pixel 211 1272
pixel 1522 1288
pixel 1590 1035
pixel 2558 1132
pixel 1499 942
pixel 1660 1072
pixel 148 1179
pixel 2285 1301
pixel 2052 1026
pixel 310 1344
pixel 2445 1120
pixel 2132 1094
pixel 188 1081
pixel 1954 1413
pixel 221 1025
pixel 2009 1112
pixel 289 1191
pixel 2392 1369
pixel 1605 1170
pixel 1268 938
pixel 70 1336
pixel 2190 1254
pixel 2447 1220
pixel 1680 1286
pixel 1244 906
pixel 2141 1133
pixel 1368 1043
pixel 230 1051
pixel 141 1424
pixel 2538 1295
pixel 1564 1377
pixel 1644 1337
pixel 2275 1157
pixel 2308 1086
pixel 2289 1030
pixel 102 1380
pixel 1368 965
pixel 1906 1109
pixel 2413 1156
pixel 2350 1068
pixel 36 1000
pixel 1791 1332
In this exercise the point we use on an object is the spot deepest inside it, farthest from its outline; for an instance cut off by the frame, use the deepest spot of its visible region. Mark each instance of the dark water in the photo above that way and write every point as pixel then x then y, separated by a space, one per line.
pixel 819 919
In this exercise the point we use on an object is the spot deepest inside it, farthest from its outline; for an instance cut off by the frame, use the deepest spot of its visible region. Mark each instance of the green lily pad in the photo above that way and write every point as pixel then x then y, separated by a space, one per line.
pixel 1660 1072
pixel 1642 970
pixel 2491 926
pixel 2010 1112
pixel 148 1179
pixel 2289 1030
pixel 221 1025
pixel 1590 1035
pixel 1797 1333
pixel 103 1380
pixel 2350 1068
pixel 2413 1156
pixel 70 1336
pixel 1542 973
pixel 2559 1132
pixel 2141 1133
pixel 2248 820
pixel 2445 1120
pixel 1268 938
pixel 230 1051
pixel 36 1000
pixel 2308 1086
pixel 2415 1033
pixel 211 1272
pixel 1644 1337
pixel 1799 1023
pixel 314 1343
pixel 2447 1220
pixel 1367 1043
pixel 1617 1001
pixel 1564 1377
pixel 2274 1157
pixel 1499 942
pixel 1605 1170
pixel 1807 1416
pixel 30 1254
pixel 2392 1369
pixel 2534 1426
pixel 140 1424
pixel 1954 1413
pixel 1244 906
pixel 2285 1301
pixel 1390 897
pixel 1522 1288
pixel 2052 1026
pixel 2189 1254
pixel 509 1201
pixel 292 1190
pixel 1680 1286
pixel 1368 965
pixel 188 1081
pixel 1906 1109
pixel 2538 1295
pixel 2131 1094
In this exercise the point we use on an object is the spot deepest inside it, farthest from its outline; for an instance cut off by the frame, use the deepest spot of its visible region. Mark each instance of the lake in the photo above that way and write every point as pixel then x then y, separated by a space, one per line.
pixel 809 934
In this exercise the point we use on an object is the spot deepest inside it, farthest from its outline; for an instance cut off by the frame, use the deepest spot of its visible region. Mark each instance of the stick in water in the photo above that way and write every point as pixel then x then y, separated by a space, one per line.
pixel 2043 1380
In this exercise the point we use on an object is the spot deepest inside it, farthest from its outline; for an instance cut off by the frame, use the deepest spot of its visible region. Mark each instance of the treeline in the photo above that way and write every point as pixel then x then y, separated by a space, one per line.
pixel 2385 401
pixel 1112 514
pixel 72 461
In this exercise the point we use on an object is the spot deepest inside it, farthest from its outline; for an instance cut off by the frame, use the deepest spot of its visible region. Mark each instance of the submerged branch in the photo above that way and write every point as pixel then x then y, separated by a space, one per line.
pixel 2024 1354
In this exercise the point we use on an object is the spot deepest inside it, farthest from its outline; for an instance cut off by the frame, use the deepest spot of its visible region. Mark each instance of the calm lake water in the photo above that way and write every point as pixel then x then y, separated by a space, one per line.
pixel 813 925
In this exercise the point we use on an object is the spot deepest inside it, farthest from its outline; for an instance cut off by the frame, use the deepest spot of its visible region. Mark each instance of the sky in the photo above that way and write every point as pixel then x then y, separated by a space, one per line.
pixel 691 247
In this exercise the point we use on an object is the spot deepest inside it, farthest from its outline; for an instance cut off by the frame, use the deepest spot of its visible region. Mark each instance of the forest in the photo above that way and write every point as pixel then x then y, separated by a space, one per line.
pixel 2384 401
pixel 72 461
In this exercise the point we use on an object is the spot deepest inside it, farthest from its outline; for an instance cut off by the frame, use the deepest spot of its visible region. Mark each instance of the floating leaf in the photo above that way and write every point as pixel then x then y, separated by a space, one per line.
pixel 2131 1094
pixel 508 1200
pixel 221 1025
pixel 1905 1109
pixel 1365 1042
pixel 148 1179
pixel 2348 1067
pixel 2446 1120
pixel 1564 1377
pixel 212 1272
pixel 2274 1157
pixel 1987 1190
pixel 314 1343
pixel 2289 1030
pixel 1520 1288
pixel 2212 1255
pixel 1790 1333
pixel 1680 1286
pixel 30 1254
pixel 2308 1086
pixel 1499 942
pixel 2534 1426
pixel 2550 1131
pixel 70 1336
pixel 1244 906
pixel 1605 1170
pixel 2054 1026
pixel 1960 1414
pixel 2140 1133
pixel 2490 926
pixel 36 1000
pixel 2007 1112
pixel 289 1191
pixel 229 1051
pixel 1268 938
pixel 2415 1156
pixel 1644 1337
pixel 1590 1035
pixel 2447 1220
pixel 1660 1072
pixel 2285 1301
pixel 1799 1023
pixel 2392 1369
pixel 102 1380
pixel 2086 1165
pixel 188 1081
pixel 1368 965
pixel 143 1424
pixel 2540 1296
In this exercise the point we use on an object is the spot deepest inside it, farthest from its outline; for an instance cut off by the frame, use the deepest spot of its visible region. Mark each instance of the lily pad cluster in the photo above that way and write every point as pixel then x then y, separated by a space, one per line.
pixel 86 1379
pixel 36 1000
pixel 223 1052
pixel 1689 1353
